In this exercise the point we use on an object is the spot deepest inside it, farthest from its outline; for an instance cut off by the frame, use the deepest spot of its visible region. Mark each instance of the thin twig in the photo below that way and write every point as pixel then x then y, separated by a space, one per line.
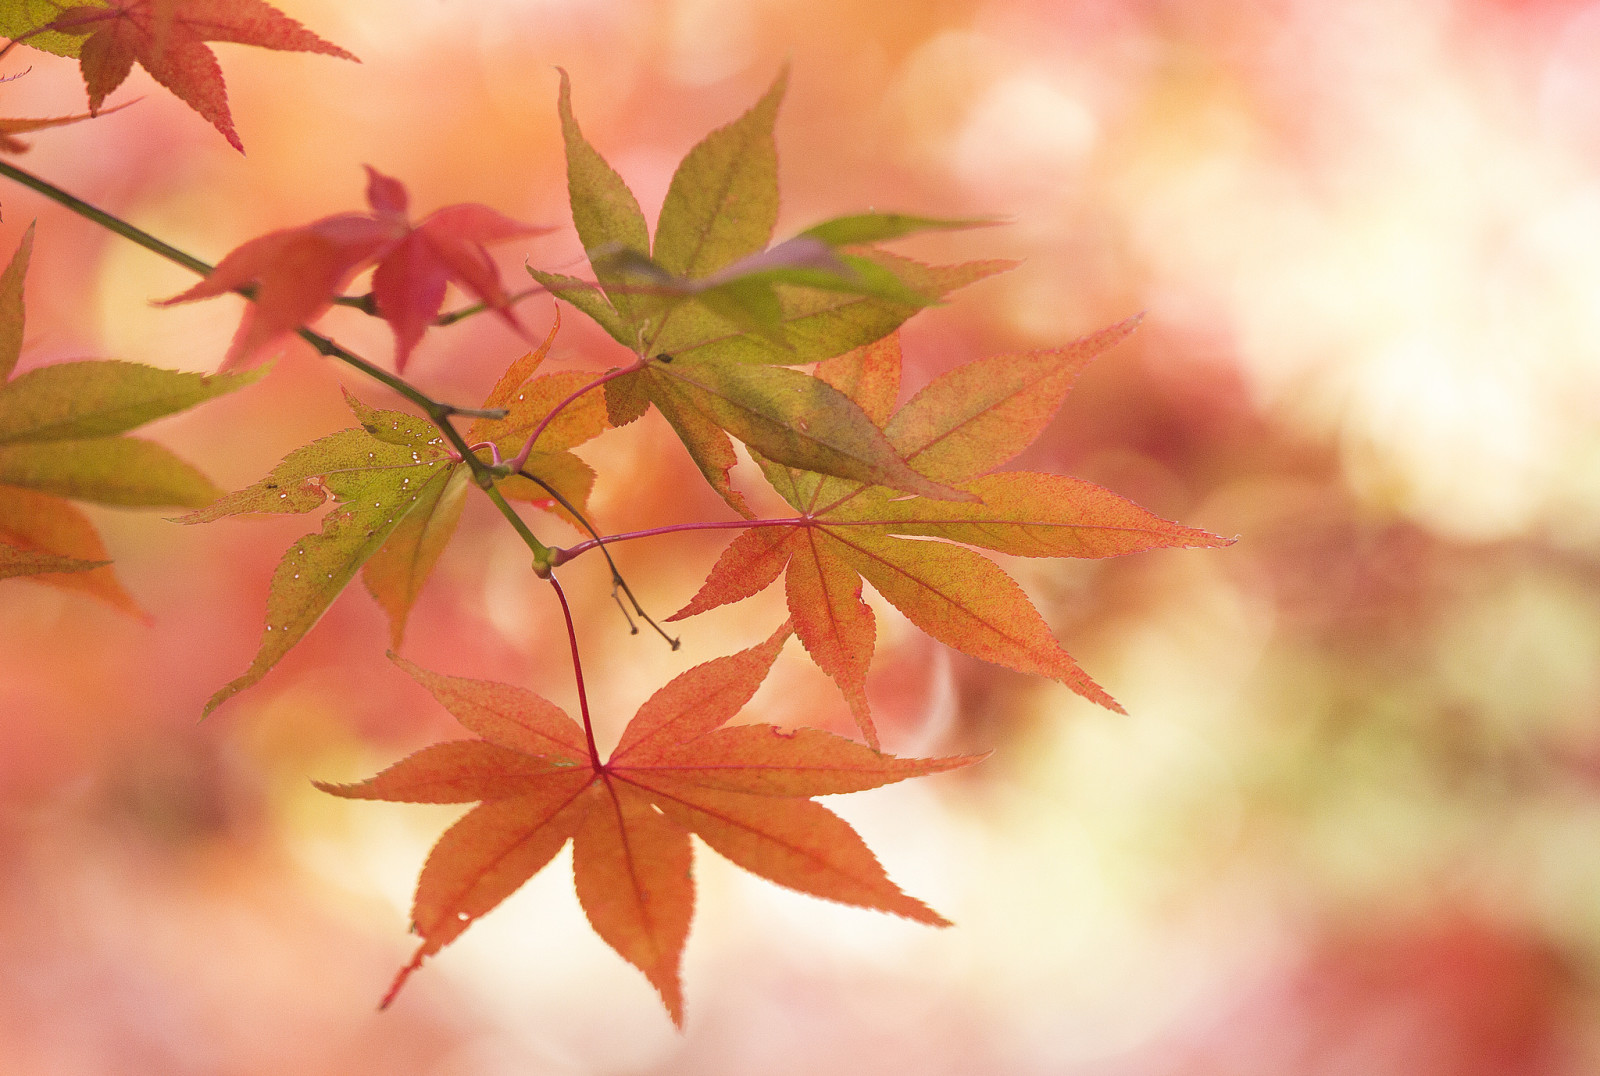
pixel 521 457
pixel 562 555
pixel 617 582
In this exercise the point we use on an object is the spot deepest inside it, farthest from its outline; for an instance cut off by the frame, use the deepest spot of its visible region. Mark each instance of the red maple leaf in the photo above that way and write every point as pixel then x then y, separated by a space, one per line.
pixel 745 790
pixel 298 272
pixel 167 38
pixel 956 431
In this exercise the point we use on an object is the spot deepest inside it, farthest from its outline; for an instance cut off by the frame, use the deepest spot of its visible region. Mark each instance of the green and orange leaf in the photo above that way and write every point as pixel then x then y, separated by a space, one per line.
pixel 956 431
pixel 718 309
pixel 745 790
pixel 397 491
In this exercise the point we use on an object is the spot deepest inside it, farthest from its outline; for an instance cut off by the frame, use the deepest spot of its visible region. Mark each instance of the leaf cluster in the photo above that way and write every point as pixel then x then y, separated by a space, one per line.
pixel 790 348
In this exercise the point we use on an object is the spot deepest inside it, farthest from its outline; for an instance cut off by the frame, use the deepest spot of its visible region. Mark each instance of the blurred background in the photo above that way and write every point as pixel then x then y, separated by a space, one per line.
pixel 1351 823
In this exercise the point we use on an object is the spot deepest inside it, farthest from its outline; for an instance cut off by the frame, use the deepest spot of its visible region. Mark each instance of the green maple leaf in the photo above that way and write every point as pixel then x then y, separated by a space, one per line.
pixel 61 437
pixel 722 312
pixel 397 491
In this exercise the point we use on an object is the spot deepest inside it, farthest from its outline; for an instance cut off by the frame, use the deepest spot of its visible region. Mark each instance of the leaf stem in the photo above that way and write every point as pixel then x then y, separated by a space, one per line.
pixel 517 461
pixel 104 219
pixel 367 303
pixel 453 316
pixel 542 554
pixel 617 582
pixel 560 555
pixel 577 672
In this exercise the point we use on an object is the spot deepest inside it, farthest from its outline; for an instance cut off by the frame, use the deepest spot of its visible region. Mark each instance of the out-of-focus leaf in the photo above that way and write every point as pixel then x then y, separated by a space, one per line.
pixel 16 560
pixel 100 398
pixel 10 128
pixel 11 309
pixel 107 470
pixel 860 229
pixel 51 526
pixel 56 427
pixel 298 272
pixel 165 37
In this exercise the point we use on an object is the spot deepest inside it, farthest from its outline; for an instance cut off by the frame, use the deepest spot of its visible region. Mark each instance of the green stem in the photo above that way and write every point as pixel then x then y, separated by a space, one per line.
pixel 454 316
pixel 542 554
pixel 104 219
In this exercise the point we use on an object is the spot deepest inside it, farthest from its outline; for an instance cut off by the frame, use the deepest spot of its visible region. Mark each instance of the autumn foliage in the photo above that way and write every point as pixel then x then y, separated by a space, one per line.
pixel 743 789
pixel 788 347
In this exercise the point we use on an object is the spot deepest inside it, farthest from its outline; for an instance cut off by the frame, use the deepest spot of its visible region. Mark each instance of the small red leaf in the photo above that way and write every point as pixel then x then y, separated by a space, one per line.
pixel 298 272
pixel 167 38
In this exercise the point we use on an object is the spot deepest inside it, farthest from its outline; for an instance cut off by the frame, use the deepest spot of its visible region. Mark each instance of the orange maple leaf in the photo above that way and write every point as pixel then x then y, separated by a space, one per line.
pixel 956 431
pixel 297 272
pixel 745 790
pixel 9 129
pixel 167 38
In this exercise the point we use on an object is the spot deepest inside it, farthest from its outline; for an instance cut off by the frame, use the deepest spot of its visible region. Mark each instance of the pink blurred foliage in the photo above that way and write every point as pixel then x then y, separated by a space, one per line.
pixel 1453 995
pixel 159 914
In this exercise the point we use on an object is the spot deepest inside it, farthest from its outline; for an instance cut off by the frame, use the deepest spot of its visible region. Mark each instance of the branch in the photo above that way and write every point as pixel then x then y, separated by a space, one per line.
pixel 438 412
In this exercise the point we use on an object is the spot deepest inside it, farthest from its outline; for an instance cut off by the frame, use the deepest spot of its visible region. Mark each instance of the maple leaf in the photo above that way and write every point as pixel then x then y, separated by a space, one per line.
pixel 298 272
pixel 165 37
pixel 398 490
pixel 745 790
pixel 60 437
pixel 958 430
pixel 9 129
pixel 723 313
